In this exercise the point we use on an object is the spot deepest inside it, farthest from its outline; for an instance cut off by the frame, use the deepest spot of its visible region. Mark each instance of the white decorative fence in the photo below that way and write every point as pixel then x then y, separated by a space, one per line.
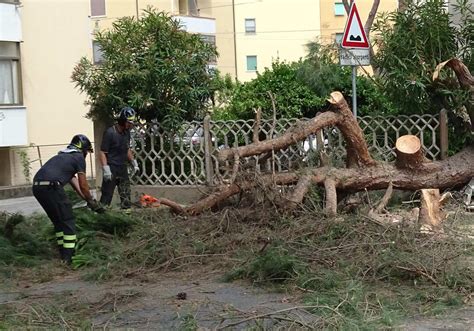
pixel 188 156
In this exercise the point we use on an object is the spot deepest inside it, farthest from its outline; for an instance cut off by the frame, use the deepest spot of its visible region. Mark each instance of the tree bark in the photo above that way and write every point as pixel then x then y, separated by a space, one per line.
pixel 385 199
pixel 371 17
pixel 256 126
pixel 299 192
pixel 357 151
pixel 465 79
pixel 368 25
pixel 331 197
pixel 347 5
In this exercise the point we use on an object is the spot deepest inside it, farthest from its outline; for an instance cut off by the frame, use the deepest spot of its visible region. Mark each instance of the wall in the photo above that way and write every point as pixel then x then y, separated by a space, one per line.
pixel 55 36
pixel 283 28
pixel 119 8
pixel 223 14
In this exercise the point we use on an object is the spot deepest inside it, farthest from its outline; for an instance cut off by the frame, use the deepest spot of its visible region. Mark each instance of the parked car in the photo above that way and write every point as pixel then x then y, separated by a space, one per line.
pixel 194 135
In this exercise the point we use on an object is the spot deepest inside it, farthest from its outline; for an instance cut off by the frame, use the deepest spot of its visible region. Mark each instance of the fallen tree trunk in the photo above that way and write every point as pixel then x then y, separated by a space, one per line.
pixel 454 171
pixel 410 171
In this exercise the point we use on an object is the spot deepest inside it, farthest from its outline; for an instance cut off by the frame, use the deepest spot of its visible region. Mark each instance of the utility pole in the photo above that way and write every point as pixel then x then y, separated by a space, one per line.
pixel 235 38
pixel 136 7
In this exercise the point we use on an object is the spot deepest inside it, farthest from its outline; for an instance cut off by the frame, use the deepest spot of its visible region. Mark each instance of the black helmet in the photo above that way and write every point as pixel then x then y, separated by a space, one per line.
pixel 81 142
pixel 127 114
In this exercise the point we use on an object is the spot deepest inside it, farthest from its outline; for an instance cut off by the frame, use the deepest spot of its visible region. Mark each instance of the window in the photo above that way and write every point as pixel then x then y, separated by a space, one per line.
pixel 210 40
pixel 97 8
pixel 10 92
pixel 338 38
pixel 251 63
pixel 250 26
pixel 97 53
pixel 193 8
pixel 339 9
pixel 188 7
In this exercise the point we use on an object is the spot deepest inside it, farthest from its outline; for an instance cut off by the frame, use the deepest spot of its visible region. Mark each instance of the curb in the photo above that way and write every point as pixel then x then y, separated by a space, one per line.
pixel 10 192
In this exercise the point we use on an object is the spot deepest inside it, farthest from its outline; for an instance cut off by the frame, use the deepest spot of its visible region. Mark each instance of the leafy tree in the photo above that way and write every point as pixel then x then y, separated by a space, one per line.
pixel 152 65
pixel 301 88
pixel 292 97
pixel 411 44
pixel 322 73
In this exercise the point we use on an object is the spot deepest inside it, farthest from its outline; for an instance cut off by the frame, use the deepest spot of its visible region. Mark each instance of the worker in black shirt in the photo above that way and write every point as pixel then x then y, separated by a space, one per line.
pixel 48 189
pixel 114 155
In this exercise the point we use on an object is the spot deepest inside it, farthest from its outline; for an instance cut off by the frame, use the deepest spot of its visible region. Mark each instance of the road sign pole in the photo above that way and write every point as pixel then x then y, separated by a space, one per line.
pixel 354 91
pixel 356 49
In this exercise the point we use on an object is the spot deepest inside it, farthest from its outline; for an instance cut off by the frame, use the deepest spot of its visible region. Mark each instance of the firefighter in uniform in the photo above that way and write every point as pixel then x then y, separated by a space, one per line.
pixel 114 155
pixel 48 189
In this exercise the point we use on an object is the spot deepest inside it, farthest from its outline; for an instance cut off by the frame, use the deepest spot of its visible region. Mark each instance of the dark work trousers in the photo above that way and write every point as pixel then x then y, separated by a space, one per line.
pixel 121 180
pixel 57 206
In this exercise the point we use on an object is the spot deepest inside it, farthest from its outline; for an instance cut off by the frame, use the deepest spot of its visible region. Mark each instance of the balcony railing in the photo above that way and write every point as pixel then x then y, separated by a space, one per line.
pixel 13 126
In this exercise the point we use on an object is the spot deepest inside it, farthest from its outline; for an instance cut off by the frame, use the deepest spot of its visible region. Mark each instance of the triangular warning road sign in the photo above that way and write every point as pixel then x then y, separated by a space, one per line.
pixel 354 34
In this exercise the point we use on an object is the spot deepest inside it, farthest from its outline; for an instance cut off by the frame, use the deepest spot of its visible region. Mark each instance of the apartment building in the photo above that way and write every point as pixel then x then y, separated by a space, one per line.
pixel 40 43
pixel 42 40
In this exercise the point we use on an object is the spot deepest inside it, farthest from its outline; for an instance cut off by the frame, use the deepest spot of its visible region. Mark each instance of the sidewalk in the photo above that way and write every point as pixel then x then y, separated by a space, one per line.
pixel 24 205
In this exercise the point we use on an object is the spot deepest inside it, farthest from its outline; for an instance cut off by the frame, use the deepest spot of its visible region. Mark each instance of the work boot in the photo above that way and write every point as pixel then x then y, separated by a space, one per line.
pixel 61 251
pixel 67 255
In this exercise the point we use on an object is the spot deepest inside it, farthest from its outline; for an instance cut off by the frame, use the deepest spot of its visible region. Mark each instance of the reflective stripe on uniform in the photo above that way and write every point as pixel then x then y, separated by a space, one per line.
pixel 59 238
pixel 69 241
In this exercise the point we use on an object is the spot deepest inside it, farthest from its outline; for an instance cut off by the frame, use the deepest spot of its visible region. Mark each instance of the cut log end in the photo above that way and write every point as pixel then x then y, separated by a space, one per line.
pixel 408 144
pixel 409 152
pixel 335 97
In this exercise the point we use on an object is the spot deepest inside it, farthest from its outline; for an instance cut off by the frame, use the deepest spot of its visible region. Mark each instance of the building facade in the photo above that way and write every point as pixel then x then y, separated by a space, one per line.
pixel 42 40
pixel 40 43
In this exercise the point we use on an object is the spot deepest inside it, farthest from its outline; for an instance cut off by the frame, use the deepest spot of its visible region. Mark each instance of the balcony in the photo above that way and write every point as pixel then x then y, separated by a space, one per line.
pixel 200 25
pixel 10 22
pixel 13 126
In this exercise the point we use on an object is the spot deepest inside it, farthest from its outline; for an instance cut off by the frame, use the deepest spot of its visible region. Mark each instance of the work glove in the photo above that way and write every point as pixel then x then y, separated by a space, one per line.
pixel 106 173
pixel 95 206
pixel 135 166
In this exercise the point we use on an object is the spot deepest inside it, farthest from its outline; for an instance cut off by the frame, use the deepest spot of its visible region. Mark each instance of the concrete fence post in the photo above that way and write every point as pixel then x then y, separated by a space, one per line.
pixel 443 133
pixel 207 150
